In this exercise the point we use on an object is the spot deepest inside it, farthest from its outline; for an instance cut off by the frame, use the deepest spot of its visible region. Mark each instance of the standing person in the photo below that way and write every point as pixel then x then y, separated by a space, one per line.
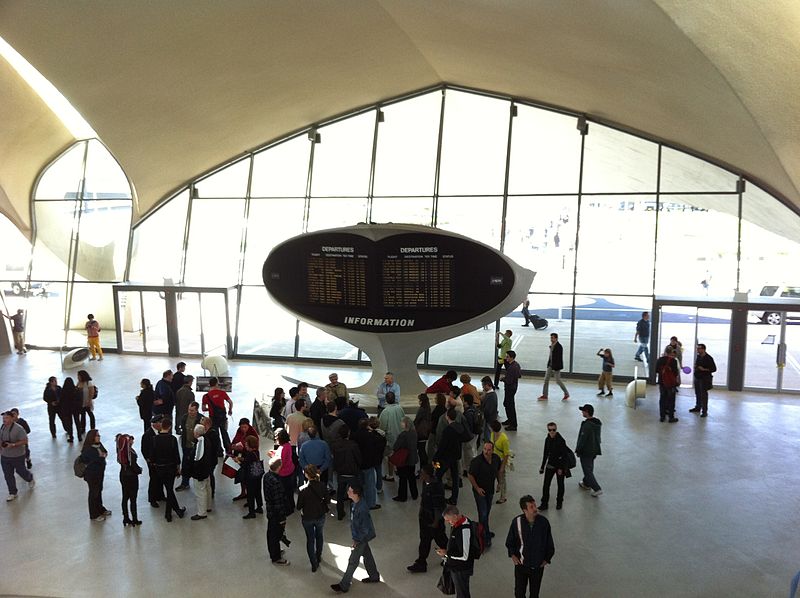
pixel 337 389
pixel 422 426
pixel 13 443
pixel 347 464
pixel 93 336
pixel 489 403
pixel 431 523
pixel 164 402
pixel 502 448
pixel 253 472
pixel 460 560
pixel 363 532
pixel 188 442
pixel 484 474
pixel 704 368
pixel 390 419
pixel 52 397
pixel 669 379
pixel 642 337
pixel 604 382
pixel 530 547
pixel 129 471
pixel 444 384
pixel 18 330
pixel 21 421
pixel 87 391
pixel 145 400
pixel 183 397
pixel 406 440
pixel 72 402
pixel 510 385
pixel 467 388
pixel 448 452
pixel 316 452
pixel 678 347
pixel 555 462
pixel 214 402
pixel 277 407
pixel 213 449
pixel 155 492
pixel 178 378
pixel 503 342
pixel 167 461
pixel 278 508
pixel 555 363
pixel 312 502
pixel 285 472
pixel 65 409
pixel 202 470
pixel 94 456
pixel 371 445
pixel 526 312
pixel 319 407
pixel 588 447
pixel 388 385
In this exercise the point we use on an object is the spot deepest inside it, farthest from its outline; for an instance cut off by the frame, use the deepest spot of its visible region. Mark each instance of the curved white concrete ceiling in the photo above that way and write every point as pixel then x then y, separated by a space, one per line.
pixel 174 88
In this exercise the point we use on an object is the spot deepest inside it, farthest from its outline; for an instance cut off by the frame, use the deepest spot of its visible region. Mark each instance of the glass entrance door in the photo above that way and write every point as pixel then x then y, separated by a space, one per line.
pixel 773 350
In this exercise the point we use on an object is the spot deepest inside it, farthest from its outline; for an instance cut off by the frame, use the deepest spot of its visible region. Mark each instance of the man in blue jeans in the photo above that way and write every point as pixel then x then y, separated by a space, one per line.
pixel 642 337
pixel 362 531
pixel 484 473
pixel 13 442
pixel 588 448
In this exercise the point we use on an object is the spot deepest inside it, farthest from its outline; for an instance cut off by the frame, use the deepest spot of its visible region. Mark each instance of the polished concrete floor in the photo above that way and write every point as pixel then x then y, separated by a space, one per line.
pixel 697 508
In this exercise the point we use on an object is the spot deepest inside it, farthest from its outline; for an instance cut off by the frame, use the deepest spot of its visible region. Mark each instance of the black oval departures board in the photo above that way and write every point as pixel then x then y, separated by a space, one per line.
pixel 402 283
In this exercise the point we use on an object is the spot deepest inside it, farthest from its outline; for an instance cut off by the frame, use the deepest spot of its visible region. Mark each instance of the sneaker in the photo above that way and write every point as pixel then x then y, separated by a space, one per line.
pixel 11 497
pixel 338 588
pixel 597 493
pixel 704 415
pixel 610 393
pixel 511 428
pixel 542 507
pixel 672 420
pixel 694 410
pixel 107 513
pixel 583 486
pixel 418 568
pixel 198 517
pixel 100 518
pixel 601 394
pixel 100 358
pixel 91 359
pixel 542 398
pixel 637 359
pixel 371 580
pixel 565 398
pixel 32 484
pixel 249 516
pixel 280 562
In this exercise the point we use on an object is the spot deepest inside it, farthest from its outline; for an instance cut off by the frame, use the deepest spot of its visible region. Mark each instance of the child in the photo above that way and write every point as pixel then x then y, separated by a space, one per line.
pixel 605 375
pixel 129 471
pixel 502 449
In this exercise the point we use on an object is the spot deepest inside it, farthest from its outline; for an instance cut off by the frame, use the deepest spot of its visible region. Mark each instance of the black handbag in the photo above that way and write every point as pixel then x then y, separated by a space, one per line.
pixel 445 584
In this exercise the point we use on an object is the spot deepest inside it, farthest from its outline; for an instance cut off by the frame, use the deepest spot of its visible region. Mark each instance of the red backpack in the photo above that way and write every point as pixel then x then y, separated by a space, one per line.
pixel 668 376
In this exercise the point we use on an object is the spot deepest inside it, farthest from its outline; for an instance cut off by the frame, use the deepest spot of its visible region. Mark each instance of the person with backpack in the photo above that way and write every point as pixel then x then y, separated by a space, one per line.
pixel 484 473
pixel 668 381
pixel 474 426
pixel 461 552
pixel 449 452
pixel 557 460
pixel 530 547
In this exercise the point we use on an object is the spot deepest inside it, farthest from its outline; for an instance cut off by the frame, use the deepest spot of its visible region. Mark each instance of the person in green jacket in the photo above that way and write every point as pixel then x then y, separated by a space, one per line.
pixel 588 448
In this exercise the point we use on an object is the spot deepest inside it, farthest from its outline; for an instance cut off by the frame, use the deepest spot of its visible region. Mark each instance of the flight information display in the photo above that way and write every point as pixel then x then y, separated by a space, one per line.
pixel 400 283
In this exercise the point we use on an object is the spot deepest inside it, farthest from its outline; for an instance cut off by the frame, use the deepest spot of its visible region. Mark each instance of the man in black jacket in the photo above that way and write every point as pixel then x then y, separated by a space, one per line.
pixel 510 385
pixel 319 407
pixel 704 368
pixel 346 464
pixel 555 462
pixel 278 508
pixel 449 452
pixel 555 363
pixel 431 523
pixel 167 463
pixel 372 444
pixel 530 547
pixel 155 492
pixel 460 560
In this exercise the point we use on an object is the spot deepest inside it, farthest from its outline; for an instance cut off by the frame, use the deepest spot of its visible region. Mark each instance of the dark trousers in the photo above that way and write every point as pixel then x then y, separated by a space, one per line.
pixel 186 464
pixel 288 482
pixel 275 530
pixel 407 482
pixel 498 368
pixel 76 418
pixel 700 395
pixel 166 477
pixel 510 405
pixel 422 452
pixel 484 506
pixel 548 479
pixel 154 490
pixel 222 425
pixel 342 482
pixel 130 490
pixel 95 482
pixel 52 412
pixel 525 577
pixel 66 422
pixel 254 499
pixel 666 400
pixel 587 465
pixel 454 474
pixel 428 534
pixel 11 465
pixel 461 583
pixel 82 427
pixel 146 423
pixel 314 540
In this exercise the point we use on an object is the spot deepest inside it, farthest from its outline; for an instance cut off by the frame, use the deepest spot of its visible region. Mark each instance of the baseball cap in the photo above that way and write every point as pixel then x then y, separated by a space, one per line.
pixel 587 408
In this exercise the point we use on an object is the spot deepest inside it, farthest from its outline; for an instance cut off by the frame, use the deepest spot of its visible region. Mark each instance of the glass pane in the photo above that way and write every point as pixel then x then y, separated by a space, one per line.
pixel 770 242
pixel 616 232
pixel 103 240
pixel 62 179
pixel 189 323
pixel 682 172
pixel 130 309
pixel 332 212
pixel 155 321
pixel 215 332
pixel 791 371
pixel 608 323
pixel 474 145
pixel 264 328
pixel 407 210
pixel 215 237
pixel 532 345
pixel 342 160
pixel 713 330
pixel 98 300
pixel 15 255
pixel 478 218
pixel 616 162
pixel 228 182
pixel 680 322
pixel 690 262
pixel 474 349
pixel 316 343
pixel 51 250
pixel 405 162
pixel 282 171
pixel 44 320
pixel 104 176
pixel 545 153
pixel 158 243
pixel 270 222
pixel 540 235
pixel 760 366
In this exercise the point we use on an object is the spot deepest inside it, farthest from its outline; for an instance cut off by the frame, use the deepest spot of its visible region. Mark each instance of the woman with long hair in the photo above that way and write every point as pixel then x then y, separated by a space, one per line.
pixel 67 410
pixel 86 392
pixel 94 456
pixel 276 411
pixel 286 472
pixel 129 471
pixel 312 502
pixel 422 425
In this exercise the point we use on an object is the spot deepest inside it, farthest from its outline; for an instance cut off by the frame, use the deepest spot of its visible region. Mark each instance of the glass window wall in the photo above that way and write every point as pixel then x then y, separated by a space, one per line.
pixel 158 243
